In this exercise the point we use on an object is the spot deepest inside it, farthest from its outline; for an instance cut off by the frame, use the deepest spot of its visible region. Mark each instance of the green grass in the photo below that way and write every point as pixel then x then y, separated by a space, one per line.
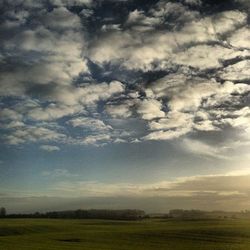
pixel 48 234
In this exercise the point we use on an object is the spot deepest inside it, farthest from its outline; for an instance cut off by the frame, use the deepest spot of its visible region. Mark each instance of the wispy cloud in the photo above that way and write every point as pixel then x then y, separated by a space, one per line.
pixel 58 172
pixel 200 148
pixel 49 148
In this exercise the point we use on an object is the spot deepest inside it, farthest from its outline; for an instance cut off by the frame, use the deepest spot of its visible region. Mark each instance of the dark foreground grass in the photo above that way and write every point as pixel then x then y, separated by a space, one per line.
pixel 48 234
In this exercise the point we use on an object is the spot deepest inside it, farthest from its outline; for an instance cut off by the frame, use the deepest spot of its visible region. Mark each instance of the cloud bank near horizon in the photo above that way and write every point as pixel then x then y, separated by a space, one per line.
pixel 229 192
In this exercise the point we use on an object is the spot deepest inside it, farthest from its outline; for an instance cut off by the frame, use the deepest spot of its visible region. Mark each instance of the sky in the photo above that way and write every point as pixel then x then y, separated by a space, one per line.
pixel 124 104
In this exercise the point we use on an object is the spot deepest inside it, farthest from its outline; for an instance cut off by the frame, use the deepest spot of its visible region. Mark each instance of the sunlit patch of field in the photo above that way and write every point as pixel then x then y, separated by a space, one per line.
pixel 48 234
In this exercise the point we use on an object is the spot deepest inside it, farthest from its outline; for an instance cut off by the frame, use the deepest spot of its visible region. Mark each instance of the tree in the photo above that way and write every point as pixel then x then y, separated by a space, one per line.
pixel 2 212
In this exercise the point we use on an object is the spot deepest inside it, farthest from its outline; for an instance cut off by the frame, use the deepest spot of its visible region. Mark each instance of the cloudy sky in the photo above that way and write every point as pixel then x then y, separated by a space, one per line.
pixel 124 104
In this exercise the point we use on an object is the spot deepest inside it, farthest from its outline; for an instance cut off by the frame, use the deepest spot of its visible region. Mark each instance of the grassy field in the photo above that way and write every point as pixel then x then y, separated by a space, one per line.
pixel 48 234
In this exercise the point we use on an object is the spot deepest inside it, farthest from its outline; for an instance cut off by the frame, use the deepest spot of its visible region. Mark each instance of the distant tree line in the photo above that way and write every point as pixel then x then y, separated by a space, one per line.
pixel 2 212
pixel 199 214
pixel 181 213
pixel 126 214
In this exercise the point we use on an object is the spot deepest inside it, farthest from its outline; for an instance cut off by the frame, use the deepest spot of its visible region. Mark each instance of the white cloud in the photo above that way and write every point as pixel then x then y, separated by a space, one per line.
pixel 206 56
pixel 49 148
pixel 240 121
pixel 189 99
pixel 47 56
pixel 139 21
pixel 140 50
pixel 205 125
pixel 122 110
pixel 150 109
pixel 97 139
pixel 60 18
pixel 33 134
pixel 89 94
pixel 237 72
pixel 164 10
pixel 89 123
pixel 228 21
pixel 53 112
pixel 71 3
pixel 241 38
pixel 71 101
pixel 173 120
pixel 193 2
pixel 10 114
pixel 166 134
pixel 49 69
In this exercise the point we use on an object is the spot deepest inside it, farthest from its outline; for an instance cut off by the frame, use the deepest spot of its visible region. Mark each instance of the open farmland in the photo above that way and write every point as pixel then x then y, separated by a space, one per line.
pixel 151 234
